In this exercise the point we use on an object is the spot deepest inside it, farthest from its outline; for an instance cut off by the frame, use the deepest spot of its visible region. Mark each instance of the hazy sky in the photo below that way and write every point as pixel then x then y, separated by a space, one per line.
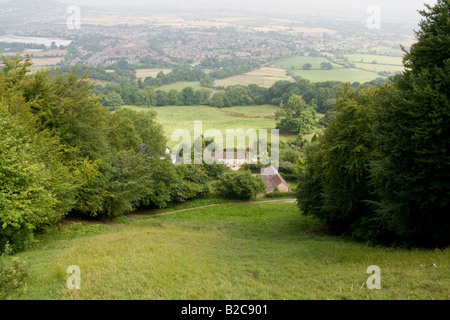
pixel 404 10
pixel 392 7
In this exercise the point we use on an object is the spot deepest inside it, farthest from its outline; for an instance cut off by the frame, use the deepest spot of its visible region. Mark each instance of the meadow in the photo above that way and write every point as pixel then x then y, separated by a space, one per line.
pixel 181 85
pixel 264 77
pixel 144 73
pixel 244 251
pixel 183 117
pixel 365 70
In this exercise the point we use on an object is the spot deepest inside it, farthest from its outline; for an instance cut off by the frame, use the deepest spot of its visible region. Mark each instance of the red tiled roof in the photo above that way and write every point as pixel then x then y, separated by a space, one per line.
pixel 272 181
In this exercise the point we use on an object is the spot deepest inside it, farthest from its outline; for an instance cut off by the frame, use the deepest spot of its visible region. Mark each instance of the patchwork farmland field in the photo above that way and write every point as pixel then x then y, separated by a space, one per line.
pixel 264 77
pixel 144 73
pixel 365 71
pixel 181 85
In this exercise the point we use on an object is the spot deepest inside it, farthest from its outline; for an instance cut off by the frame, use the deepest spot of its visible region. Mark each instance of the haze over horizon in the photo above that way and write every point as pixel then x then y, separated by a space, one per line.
pixel 406 9
pixel 401 10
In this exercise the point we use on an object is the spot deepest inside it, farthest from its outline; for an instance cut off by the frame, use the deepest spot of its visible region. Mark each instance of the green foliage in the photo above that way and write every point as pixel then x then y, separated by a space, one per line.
pixel 326 66
pixel 177 75
pixel 193 182
pixel 12 278
pixel 36 187
pixel 412 171
pixel 62 153
pixel 172 97
pixel 334 185
pixel 380 171
pixel 275 195
pixel 13 275
pixel 214 170
pixel 240 185
pixel 296 116
pixel 218 100
pixel 113 100
pixel 187 96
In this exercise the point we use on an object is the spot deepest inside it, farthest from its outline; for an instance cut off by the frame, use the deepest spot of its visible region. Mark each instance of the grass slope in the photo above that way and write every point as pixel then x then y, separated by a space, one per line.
pixel 259 251
pixel 183 117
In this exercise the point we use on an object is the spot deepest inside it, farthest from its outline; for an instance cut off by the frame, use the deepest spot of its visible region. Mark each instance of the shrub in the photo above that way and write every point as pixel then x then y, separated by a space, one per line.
pixel 273 195
pixel 12 276
pixel 240 185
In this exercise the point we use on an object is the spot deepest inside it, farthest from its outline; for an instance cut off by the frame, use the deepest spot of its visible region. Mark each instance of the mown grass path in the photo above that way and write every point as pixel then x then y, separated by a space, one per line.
pixel 138 216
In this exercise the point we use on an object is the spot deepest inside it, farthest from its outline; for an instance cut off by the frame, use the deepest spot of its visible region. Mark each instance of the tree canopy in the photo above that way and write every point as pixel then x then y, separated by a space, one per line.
pixel 63 153
pixel 296 116
pixel 381 170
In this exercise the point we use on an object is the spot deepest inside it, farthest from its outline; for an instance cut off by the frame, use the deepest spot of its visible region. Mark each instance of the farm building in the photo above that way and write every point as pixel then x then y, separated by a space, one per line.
pixel 231 159
pixel 273 180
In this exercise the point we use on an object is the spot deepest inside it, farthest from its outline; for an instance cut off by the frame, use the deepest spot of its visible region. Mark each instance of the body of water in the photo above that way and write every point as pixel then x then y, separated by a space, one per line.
pixel 37 40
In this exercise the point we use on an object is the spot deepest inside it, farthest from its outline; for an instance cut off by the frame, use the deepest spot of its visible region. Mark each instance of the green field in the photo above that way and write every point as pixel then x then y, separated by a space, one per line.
pixel 263 77
pixel 183 117
pixel 363 72
pixel 376 63
pixel 248 251
pixel 299 61
pixel 369 58
pixel 393 50
pixel 181 85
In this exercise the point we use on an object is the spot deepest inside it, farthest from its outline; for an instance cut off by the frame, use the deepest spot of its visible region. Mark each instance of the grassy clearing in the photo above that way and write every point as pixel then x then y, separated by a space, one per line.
pixel 365 70
pixel 48 53
pixel 246 117
pixel 259 251
pixel 264 77
pixel 378 67
pixel 299 61
pixel 344 75
pixel 183 117
pixel 43 62
pixel 389 51
pixel 181 85
pixel 369 58
pixel 338 73
pixel 144 73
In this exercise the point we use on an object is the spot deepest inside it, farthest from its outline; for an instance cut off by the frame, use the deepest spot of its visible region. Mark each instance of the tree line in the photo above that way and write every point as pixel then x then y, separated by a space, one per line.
pixel 321 94
pixel 62 153
pixel 381 170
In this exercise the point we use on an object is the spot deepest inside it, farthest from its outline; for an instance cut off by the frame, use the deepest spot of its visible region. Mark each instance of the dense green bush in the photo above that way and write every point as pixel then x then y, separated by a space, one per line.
pixel 13 275
pixel 296 116
pixel 274 195
pixel 239 185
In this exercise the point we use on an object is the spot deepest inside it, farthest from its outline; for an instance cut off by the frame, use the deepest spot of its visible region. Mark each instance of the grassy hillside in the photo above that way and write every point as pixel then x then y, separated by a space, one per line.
pixel 183 117
pixel 248 251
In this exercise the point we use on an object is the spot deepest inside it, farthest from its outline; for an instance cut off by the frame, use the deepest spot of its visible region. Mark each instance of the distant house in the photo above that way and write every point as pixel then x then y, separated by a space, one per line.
pixel 273 180
pixel 173 158
pixel 231 159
